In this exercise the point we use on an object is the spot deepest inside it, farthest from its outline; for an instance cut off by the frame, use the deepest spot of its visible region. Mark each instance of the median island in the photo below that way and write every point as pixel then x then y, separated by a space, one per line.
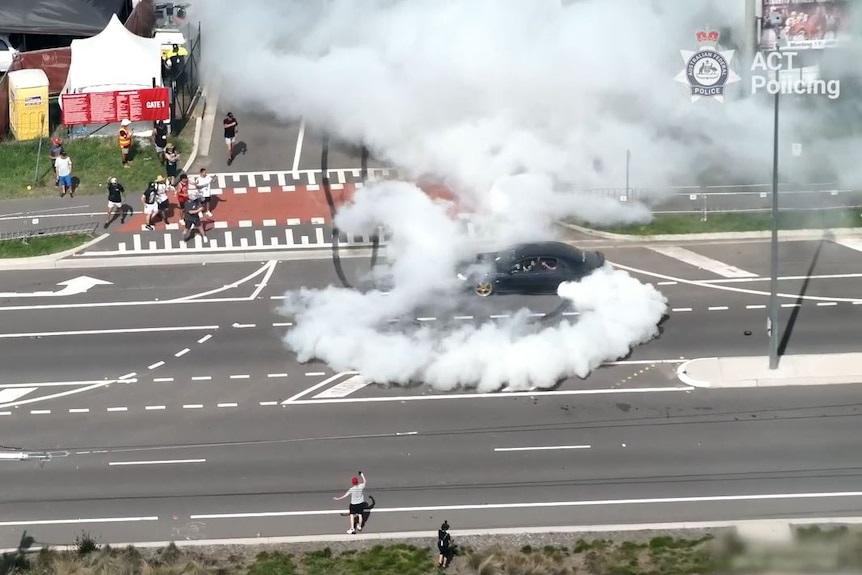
pixel 807 550
pixel 668 224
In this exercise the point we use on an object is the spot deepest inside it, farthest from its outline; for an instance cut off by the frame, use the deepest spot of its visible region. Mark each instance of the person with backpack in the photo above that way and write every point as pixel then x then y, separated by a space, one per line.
pixel 151 206
pixel 444 545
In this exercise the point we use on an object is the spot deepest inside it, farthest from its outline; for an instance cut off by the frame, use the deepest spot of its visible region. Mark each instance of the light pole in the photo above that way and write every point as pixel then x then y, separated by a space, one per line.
pixel 772 321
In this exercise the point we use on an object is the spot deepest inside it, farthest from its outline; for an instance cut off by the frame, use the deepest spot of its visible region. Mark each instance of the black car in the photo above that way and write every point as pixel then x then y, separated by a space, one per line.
pixel 532 268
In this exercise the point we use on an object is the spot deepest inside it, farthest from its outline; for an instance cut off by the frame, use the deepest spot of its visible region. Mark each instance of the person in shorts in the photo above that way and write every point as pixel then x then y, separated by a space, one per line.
pixel 56 148
pixel 181 188
pixel 356 510
pixel 63 170
pixel 172 160
pixel 230 130
pixel 116 194
pixel 192 217
pixel 203 184
pixel 162 200
pixel 151 204
pixel 160 139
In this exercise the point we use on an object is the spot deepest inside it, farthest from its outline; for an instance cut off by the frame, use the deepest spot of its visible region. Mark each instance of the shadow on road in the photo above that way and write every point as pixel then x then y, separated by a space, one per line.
pixel 794 315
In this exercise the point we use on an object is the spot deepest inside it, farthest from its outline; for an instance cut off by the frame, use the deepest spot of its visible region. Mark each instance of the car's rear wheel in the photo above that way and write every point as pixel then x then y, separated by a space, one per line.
pixel 483 289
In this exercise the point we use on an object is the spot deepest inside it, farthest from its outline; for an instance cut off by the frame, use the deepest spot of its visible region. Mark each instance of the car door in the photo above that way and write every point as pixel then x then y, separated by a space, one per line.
pixel 522 276
pixel 550 273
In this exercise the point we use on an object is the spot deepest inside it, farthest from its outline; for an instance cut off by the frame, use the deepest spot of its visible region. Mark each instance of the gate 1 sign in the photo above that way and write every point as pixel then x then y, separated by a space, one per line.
pixel 146 105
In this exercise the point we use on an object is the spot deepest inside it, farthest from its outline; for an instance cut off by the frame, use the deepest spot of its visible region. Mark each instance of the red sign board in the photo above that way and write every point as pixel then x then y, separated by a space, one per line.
pixel 146 105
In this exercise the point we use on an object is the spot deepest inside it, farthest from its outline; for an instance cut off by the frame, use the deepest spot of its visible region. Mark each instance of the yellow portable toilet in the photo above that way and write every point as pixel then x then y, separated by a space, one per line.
pixel 28 104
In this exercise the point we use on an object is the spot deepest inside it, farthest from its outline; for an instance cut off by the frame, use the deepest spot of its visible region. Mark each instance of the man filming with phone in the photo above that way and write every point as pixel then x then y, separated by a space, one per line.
pixel 356 510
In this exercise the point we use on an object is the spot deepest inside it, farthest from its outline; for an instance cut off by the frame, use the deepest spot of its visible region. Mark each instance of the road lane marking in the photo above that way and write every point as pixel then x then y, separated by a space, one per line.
pixel 314 373
pixel 77 521
pixel 756 306
pixel 155 408
pixel 40 412
pixel 11 394
pixel 193 406
pixel 268 403
pixel 283 324
pixel 791 305
pixel 345 388
pixel 703 262
pixel 243 325
pixel 128 376
pixel 297 154
pixel 542 448
pixel 5 413
pixel 201 377
pixel 56 383
pixel 313 388
pixel 182 352
pixel 156 462
pixel 110 331
pixel 827 303
pixel 276 375
pixel 426 319
pixel 240 376
pixel 717 308
pixel 263 269
pixel 781 278
pixel 543 504
pixel 854 244
pixel 666 283
pixel 163 379
pixel 499 316
pixel 156 365
pixel 266 277
pixel 79 410
pixel 205 338
pixel 681 309
pixel 227 405
pixel 116 409
pixel 507 395
pixel 463 317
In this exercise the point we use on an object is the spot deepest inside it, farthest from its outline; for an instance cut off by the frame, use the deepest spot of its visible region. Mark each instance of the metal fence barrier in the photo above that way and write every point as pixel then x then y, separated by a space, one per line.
pixel 24 235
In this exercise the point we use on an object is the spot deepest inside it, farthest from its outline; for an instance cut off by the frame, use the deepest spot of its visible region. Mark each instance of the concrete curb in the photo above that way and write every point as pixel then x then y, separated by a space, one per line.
pixel 40 262
pixel 783 234
pixel 754 527
pixel 686 378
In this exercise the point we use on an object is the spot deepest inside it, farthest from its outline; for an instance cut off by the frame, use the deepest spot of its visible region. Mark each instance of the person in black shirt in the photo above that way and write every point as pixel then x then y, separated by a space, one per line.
pixel 160 139
pixel 172 158
pixel 116 193
pixel 444 545
pixel 192 217
pixel 230 130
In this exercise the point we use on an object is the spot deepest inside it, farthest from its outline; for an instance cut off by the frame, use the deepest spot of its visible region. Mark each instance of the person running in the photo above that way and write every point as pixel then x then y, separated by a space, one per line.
pixel 357 503
pixel 63 170
pixel 230 130
pixel 116 194
pixel 192 217
pixel 151 204
pixel 203 184
pixel 444 544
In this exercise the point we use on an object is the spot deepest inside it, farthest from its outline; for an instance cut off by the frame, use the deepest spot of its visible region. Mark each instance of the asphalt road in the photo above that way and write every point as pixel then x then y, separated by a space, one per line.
pixel 650 458
pixel 187 363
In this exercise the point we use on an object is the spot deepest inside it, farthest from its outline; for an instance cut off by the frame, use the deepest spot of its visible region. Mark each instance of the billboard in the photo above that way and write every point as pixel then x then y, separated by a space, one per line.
pixel 805 24
pixel 146 105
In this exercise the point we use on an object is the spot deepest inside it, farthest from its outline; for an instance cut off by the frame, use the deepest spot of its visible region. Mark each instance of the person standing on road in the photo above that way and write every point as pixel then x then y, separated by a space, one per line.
pixel 230 130
pixel 203 184
pixel 192 217
pixel 151 204
pixel 160 139
pixel 357 503
pixel 124 139
pixel 444 545
pixel 63 169
pixel 116 194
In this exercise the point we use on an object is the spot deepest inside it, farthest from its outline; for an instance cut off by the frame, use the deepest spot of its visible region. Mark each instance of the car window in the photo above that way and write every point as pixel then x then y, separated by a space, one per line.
pixel 549 264
pixel 525 265
pixel 4 47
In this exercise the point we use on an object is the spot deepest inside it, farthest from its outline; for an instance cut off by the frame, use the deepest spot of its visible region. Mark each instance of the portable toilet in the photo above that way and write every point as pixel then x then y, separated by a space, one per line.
pixel 28 104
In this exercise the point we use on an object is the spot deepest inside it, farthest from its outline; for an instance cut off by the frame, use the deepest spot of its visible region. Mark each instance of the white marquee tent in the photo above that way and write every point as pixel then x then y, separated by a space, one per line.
pixel 114 59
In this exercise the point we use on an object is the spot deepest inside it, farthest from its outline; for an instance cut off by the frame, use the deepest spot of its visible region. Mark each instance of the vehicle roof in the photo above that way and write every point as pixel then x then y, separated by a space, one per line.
pixel 548 249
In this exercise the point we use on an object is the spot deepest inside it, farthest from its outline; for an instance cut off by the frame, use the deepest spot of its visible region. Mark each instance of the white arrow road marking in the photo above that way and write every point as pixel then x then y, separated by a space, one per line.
pixel 74 286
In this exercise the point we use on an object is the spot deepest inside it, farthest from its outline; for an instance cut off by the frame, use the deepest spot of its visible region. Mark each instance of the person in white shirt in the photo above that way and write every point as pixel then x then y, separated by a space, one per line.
pixel 63 171
pixel 355 512
pixel 203 184
pixel 162 198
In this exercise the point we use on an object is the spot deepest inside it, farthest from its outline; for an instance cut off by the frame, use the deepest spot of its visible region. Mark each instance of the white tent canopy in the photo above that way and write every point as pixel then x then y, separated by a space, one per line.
pixel 114 59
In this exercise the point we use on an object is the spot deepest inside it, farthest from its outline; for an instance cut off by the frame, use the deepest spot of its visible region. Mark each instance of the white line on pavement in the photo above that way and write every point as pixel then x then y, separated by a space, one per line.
pixel 276 375
pixel 205 338
pixel 116 409
pixel 233 285
pixel 163 379
pixel 157 462
pixel 110 331
pixel 283 324
pixel 182 352
pixel 76 521
pixel 782 278
pixel 297 154
pixel 543 504
pixel 240 376
pixel 700 261
pixel 155 408
pixel 79 410
pixel 193 406
pixel 201 377
pixel 156 365
pixel 542 448
pixel 314 373
pixel 313 388
pixel 265 281
pixel 227 405
pixel 40 412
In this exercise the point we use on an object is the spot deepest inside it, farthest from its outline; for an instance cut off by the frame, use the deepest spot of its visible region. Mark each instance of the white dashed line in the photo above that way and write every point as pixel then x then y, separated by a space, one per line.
pixel 666 283
pixel 205 338
pixel 80 410
pixel 570 313
pixel 827 303
pixel 790 305
pixel 243 325
pixel 538 314
pixel 266 403
pixel 718 308
pixel 681 309
pixel 128 375
pixel 163 379
pixel 243 376
pixel 201 378
pixel 115 409
pixel 314 373
pixel 156 365
pixel 757 306
pixel 155 408
pixel 276 375
pixel 500 316
pixel 193 406
pixel 283 324
pixel 227 405
pixel 5 413
pixel 426 319
pixel 182 352
pixel 463 317
pixel 40 412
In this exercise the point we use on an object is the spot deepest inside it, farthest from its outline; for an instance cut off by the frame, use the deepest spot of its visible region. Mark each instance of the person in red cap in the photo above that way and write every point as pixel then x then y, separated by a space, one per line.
pixel 357 503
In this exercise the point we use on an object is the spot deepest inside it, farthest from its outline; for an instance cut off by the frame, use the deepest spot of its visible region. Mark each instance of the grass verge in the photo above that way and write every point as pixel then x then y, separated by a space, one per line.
pixel 666 224
pixel 94 161
pixel 665 555
pixel 32 247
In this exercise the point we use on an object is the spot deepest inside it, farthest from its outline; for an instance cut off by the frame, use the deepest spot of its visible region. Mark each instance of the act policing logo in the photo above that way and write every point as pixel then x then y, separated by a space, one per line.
pixel 707 70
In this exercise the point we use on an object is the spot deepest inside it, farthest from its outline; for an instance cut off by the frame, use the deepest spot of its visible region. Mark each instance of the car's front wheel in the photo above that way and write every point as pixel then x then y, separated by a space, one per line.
pixel 483 289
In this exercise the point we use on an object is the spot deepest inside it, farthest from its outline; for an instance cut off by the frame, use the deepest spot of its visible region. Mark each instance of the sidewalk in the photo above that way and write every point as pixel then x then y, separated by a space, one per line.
pixel 740 372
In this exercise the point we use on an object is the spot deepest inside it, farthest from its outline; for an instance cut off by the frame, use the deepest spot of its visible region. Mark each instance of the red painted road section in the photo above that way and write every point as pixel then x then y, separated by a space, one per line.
pixel 255 206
